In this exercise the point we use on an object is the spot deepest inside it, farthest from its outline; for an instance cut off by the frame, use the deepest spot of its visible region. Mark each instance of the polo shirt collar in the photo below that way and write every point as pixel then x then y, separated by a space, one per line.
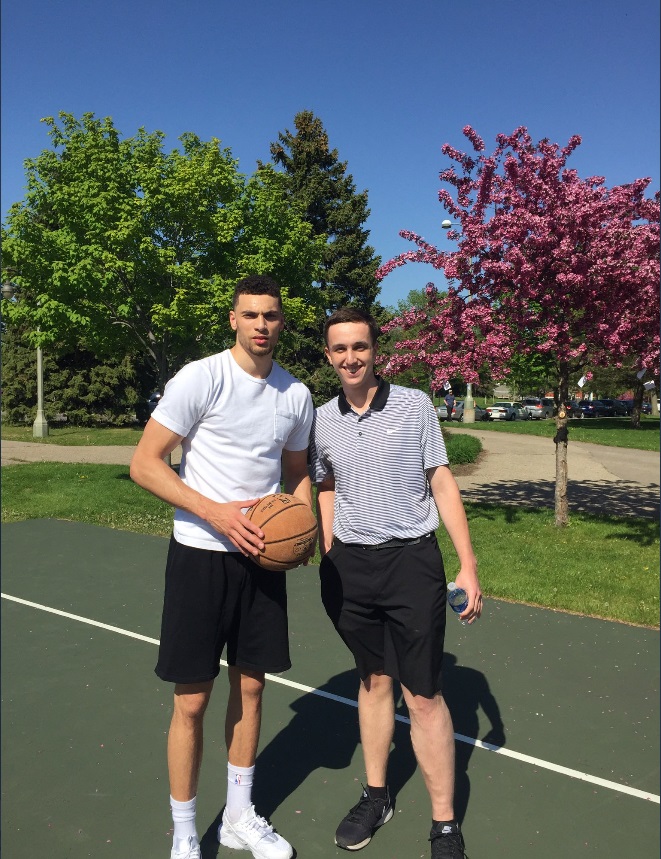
pixel 377 404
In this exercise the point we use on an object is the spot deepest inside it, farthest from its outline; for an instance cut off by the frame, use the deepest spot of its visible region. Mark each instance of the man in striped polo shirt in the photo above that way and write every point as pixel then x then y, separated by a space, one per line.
pixel 381 469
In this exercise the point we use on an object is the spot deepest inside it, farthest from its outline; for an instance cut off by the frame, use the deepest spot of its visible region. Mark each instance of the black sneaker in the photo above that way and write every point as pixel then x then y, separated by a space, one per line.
pixel 360 824
pixel 447 842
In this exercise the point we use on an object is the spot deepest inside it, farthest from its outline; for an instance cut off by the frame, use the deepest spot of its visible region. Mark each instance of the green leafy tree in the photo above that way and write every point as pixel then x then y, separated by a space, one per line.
pixel 618 383
pixel 78 388
pixel 317 182
pixel 531 374
pixel 132 249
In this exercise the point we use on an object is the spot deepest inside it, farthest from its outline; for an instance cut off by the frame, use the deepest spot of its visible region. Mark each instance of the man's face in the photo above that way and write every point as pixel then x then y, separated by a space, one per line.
pixel 258 321
pixel 351 353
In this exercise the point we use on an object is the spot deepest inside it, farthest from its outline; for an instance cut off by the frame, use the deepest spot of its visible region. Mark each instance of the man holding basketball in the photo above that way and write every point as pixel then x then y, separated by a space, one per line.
pixel 241 420
pixel 379 461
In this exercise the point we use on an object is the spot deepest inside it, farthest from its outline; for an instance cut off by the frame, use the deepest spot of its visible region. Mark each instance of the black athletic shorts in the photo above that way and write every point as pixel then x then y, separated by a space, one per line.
pixel 217 599
pixel 388 605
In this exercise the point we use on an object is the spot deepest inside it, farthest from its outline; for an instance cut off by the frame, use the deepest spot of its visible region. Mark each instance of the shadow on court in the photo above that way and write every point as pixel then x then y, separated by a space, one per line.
pixel 623 498
pixel 321 746
pixel 569 706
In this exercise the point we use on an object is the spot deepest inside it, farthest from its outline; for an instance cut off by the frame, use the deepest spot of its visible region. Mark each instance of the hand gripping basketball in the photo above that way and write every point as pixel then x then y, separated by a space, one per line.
pixel 290 531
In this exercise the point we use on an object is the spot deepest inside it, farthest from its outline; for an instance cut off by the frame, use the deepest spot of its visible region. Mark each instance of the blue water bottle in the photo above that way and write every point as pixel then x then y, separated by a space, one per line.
pixel 458 599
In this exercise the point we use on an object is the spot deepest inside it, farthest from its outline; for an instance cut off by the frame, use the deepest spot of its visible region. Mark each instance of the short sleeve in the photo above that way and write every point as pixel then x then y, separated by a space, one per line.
pixel 185 399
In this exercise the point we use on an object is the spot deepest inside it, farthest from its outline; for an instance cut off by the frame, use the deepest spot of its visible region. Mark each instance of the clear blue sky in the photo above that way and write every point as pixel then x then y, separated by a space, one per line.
pixel 391 81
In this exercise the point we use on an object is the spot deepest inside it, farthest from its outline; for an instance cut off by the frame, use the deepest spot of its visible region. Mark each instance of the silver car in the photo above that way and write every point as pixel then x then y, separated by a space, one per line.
pixel 504 411
pixel 458 412
pixel 539 408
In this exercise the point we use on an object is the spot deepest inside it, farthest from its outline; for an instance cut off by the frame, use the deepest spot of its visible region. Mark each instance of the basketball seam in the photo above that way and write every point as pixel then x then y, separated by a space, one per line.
pixel 275 513
pixel 289 539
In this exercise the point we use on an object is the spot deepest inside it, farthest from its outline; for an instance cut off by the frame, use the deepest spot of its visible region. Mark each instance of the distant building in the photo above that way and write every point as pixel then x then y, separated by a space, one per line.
pixel 502 392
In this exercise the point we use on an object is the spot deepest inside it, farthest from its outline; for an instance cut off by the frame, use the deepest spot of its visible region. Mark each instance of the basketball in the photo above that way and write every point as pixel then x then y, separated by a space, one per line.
pixel 290 531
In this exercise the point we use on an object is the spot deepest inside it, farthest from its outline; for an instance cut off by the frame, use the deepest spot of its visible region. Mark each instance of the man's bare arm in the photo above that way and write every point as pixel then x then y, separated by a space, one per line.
pixel 296 476
pixel 451 510
pixel 326 513
pixel 149 470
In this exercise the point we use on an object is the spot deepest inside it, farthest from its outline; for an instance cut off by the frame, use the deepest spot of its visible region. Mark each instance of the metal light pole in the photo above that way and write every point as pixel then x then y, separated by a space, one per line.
pixel 40 425
pixel 469 402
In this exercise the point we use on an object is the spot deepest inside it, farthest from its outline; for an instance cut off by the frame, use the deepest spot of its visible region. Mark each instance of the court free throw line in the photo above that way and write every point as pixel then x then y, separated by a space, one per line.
pixel 499 750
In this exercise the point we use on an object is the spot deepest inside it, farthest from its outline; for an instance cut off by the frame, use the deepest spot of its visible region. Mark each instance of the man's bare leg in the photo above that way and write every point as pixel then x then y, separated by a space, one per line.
pixel 432 736
pixel 244 715
pixel 376 715
pixel 185 738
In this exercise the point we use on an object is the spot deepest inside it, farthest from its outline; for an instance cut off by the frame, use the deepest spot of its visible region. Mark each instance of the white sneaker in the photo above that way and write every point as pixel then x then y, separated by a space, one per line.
pixel 190 849
pixel 252 832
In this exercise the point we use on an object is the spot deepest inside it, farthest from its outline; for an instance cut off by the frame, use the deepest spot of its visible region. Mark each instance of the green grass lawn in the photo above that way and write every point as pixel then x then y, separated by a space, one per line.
pixel 461 449
pixel 599 566
pixel 76 436
pixel 616 432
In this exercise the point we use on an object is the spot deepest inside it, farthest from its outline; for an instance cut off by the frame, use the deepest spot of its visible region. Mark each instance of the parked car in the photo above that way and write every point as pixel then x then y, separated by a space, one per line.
pixel 646 408
pixel 153 400
pixel 593 409
pixel 458 412
pixel 616 407
pixel 503 411
pixel 144 408
pixel 539 408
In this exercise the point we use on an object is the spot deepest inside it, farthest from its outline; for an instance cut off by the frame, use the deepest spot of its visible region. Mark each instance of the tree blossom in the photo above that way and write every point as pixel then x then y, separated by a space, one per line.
pixel 544 262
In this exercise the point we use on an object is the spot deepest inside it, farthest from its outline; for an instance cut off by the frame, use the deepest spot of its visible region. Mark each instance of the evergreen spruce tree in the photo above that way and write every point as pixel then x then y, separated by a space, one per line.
pixel 318 183
pixel 79 389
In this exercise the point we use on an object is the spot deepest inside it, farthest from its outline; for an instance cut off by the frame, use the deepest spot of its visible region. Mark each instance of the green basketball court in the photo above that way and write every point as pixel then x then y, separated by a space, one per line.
pixel 556 716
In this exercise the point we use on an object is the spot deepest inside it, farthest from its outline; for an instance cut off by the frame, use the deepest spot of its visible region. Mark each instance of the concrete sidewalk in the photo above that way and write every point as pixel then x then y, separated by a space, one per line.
pixel 520 469
pixel 16 452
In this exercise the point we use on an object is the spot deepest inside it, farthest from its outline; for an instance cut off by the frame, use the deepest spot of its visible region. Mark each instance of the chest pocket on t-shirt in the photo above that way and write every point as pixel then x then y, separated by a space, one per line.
pixel 283 426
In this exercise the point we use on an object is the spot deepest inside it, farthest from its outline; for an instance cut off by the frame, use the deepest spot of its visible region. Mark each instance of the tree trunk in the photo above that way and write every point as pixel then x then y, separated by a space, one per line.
pixel 638 392
pixel 561 440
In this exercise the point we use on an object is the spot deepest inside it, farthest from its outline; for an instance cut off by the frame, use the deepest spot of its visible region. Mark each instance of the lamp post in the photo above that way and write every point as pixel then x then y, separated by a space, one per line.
pixel 40 425
pixel 469 402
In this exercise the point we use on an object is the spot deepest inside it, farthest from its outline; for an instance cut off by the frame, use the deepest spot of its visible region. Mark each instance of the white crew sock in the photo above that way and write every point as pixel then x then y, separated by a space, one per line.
pixel 239 790
pixel 183 817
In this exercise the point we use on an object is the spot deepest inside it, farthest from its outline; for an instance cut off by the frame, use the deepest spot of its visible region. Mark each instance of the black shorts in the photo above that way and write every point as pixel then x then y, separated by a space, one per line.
pixel 388 605
pixel 213 599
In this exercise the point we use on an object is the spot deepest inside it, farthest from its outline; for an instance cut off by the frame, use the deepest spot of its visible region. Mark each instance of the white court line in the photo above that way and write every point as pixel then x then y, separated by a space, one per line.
pixel 499 750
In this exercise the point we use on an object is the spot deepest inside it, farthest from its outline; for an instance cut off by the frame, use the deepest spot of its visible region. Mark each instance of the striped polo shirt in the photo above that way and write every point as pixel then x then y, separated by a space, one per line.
pixel 379 460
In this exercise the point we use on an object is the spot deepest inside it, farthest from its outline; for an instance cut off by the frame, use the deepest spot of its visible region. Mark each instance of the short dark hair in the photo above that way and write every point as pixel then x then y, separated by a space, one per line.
pixel 257 284
pixel 352 314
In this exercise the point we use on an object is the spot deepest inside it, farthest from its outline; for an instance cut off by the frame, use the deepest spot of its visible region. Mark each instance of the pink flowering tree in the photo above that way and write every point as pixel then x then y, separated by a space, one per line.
pixel 545 262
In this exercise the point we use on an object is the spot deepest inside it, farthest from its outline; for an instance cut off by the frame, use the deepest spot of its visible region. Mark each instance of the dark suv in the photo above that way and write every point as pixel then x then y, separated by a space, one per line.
pixel 539 408
pixel 615 408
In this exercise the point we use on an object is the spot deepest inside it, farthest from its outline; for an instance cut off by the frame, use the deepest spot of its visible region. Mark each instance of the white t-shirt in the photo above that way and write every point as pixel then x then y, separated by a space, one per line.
pixel 235 428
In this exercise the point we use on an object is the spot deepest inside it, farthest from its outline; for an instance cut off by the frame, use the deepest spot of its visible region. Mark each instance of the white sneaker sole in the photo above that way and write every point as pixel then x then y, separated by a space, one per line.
pixel 229 839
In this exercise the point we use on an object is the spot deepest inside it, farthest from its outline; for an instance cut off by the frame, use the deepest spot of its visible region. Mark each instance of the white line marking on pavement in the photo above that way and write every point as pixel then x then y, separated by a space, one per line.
pixel 86 620
pixel 499 750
